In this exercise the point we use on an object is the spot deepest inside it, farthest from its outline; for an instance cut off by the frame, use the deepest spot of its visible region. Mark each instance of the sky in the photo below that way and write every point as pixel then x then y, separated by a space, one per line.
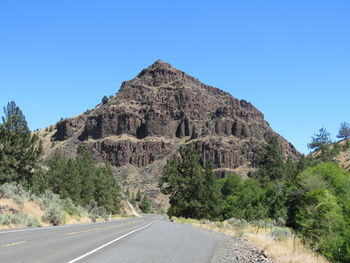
pixel 291 59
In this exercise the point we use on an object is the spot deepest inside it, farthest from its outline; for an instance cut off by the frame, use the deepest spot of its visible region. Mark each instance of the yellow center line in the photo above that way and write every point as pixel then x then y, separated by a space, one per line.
pixel 79 232
pixel 14 244
pixel 95 229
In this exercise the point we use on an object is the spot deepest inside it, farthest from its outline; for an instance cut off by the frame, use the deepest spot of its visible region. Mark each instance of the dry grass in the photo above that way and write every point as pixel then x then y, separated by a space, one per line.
pixel 33 210
pixel 287 250
pixel 30 208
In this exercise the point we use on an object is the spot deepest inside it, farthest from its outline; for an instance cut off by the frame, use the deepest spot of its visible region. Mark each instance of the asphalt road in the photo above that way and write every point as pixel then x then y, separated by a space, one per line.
pixel 145 239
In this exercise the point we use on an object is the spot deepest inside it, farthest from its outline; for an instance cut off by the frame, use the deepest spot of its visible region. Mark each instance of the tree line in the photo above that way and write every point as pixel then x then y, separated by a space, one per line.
pixel 310 195
pixel 79 179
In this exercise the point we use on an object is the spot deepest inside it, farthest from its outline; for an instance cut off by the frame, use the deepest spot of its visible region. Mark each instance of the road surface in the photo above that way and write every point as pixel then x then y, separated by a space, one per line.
pixel 145 239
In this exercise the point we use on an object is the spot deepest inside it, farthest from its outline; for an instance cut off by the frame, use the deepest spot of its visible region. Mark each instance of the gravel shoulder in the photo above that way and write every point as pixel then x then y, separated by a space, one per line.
pixel 231 249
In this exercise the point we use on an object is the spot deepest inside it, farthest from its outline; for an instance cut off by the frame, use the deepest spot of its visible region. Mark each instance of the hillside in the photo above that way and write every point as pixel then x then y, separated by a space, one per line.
pixel 343 158
pixel 153 116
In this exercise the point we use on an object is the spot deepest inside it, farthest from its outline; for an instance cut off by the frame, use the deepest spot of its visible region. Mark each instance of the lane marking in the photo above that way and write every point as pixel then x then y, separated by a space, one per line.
pixel 95 229
pixel 78 232
pixel 14 244
pixel 87 230
pixel 110 242
pixel 67 226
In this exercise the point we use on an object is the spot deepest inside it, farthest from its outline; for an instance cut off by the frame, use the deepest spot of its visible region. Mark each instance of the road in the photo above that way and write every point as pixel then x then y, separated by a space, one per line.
pixel 145 239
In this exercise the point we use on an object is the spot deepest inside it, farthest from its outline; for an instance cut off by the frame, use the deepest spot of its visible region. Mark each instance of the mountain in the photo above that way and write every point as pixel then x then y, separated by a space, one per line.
pixel 155 114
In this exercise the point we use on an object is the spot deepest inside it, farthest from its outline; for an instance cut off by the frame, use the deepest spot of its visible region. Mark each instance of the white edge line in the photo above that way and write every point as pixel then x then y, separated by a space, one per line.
pixel 110 242
pixel 56 227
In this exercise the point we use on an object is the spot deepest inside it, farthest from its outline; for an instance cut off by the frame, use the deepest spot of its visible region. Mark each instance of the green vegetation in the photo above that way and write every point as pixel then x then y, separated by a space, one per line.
pixel 19 151
pixel 18 219
pixel 80 180
pixel 145 205
pixel 310 195
pixel 193 189
pixel 344 131
pixel 141 201
pixel 55 208
pixel 104 100
pixel 76 182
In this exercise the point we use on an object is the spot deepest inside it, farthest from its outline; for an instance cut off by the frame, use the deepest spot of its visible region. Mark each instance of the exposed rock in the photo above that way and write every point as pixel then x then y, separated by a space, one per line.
pixel 6 209
pixel 161 110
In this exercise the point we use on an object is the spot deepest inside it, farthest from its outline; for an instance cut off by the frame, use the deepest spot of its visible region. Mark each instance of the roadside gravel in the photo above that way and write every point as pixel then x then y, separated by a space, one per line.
pixel 230 249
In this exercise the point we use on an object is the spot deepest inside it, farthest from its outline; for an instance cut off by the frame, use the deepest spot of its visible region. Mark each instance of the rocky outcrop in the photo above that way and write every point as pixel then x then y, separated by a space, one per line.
pixel 123 152
pixel 161 110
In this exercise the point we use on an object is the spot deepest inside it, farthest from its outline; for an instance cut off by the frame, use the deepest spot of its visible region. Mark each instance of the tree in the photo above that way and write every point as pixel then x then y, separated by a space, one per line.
pixel 231 185
pixel 138 196
pixel 344 131
pixel 322 145
pixel 193 189
pixel 87 171
pixel 273 174
pixel 323 213
pixel 105 100
pixel 243 199
pixel 145 205
pixel 107 191
pixel 321 222
pixel 270 162
pixel 19 149
pixel 320 141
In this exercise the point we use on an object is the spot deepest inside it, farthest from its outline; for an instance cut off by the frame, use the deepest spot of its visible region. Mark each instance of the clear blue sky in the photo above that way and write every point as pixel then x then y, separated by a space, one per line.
pixel 291 59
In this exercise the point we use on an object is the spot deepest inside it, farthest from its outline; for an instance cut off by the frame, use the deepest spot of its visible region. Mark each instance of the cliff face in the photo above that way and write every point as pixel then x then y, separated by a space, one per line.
pixel 158 112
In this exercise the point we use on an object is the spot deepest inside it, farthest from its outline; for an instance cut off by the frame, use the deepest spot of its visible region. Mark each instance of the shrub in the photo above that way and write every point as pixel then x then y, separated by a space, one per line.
pixel 237 222
pixel 47 199
pixel 280 233
pixel 263 223
pixel 15 192
pixel 18 219
pixel 219 224
pixel 204 221
pixel 53 215
pixel 69 207
pixel 96 211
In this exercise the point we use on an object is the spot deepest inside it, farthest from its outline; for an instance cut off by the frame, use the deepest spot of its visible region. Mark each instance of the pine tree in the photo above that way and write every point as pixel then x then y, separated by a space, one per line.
pixel 272 174
pixel 270 162
pixel 321 144
pixel 194 190
pixel 87 171
pixel 107 190
pixel 320 141
pixel 19 149
pixel 344 131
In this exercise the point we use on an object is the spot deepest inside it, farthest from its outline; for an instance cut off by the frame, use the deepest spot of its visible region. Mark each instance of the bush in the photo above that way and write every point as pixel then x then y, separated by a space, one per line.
pixel 14 191
pixel 18 219
pixel 69 207
pixel 53 215
pixel 47 199
pixel 263 224
pixel 280 233
pixel 96 211
pixel 237 222
pixel 219 224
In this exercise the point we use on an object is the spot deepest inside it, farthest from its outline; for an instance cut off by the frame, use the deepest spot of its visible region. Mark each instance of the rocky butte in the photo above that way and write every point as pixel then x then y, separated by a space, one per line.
pixel 155 114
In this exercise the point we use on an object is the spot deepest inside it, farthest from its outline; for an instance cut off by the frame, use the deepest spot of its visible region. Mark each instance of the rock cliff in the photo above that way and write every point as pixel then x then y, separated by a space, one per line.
pixel 155 114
